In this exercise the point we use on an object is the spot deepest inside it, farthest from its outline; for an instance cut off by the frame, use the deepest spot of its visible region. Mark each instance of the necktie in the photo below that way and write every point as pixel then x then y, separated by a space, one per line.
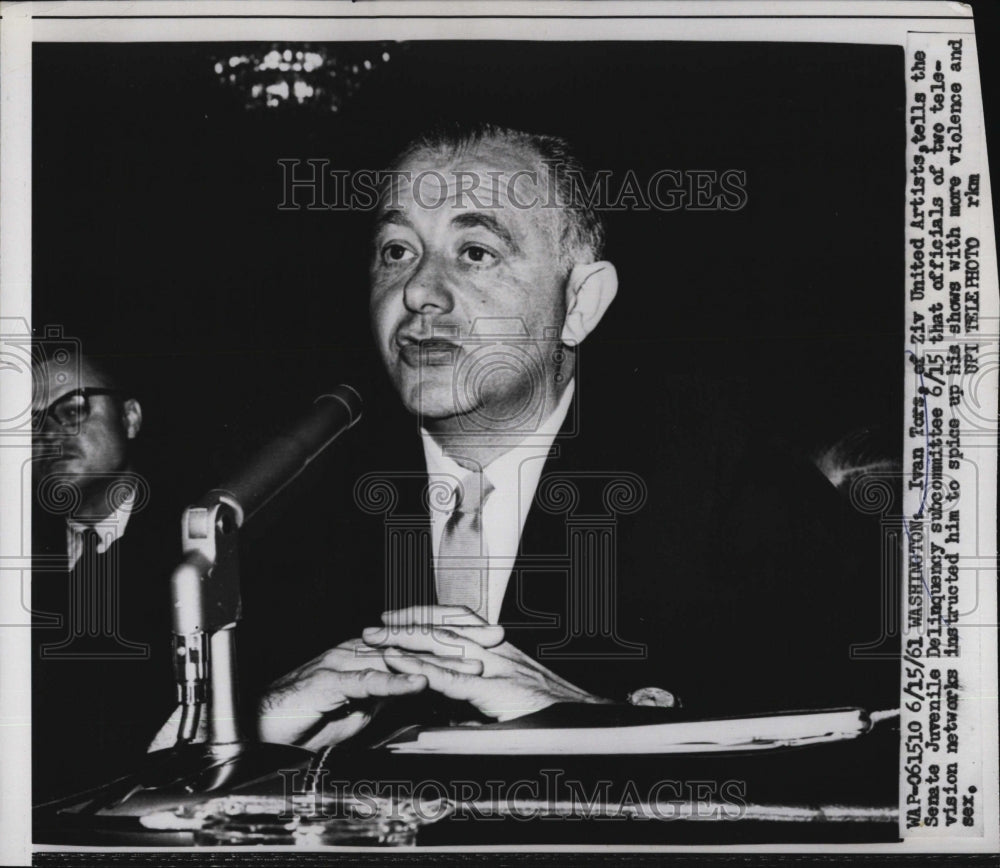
pixel 462 564
pixel 87 589
pixel 89 540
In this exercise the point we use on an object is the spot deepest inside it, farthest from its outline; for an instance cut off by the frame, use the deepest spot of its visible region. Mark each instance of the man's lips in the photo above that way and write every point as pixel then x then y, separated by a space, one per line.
pixel 432 351
pixel 62 458
pixel 68 452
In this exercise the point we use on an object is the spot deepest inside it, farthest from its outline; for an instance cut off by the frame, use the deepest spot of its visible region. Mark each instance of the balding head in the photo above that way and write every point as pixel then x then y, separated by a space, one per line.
pixel 551 171
pixel 473 239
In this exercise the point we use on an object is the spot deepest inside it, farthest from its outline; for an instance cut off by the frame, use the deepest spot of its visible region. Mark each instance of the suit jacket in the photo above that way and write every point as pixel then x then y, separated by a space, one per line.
pixel 101 682
pixel 667 545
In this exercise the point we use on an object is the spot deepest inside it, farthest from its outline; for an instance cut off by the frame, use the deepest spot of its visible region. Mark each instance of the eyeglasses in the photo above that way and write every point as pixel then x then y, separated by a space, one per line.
pixel 70 410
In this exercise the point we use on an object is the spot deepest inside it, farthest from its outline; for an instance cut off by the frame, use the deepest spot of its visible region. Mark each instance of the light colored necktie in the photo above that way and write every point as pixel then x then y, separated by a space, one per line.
pixel 462 563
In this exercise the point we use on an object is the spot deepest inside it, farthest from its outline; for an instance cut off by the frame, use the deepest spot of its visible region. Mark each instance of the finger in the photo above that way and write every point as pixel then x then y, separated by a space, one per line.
pixel 454 685
pixel 436 615
pixel 484 635
pixel 347 659
pixel 338 730
pixel 327 689
pixel 372 682
pixel 464 665
pixel 356 647
pixel 422 638
pixel 359 655
pixel 459 619
pixel 354 654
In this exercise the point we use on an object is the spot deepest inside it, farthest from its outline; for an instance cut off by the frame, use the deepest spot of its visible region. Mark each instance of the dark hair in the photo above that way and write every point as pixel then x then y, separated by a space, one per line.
pixel 583 230
pixel 110 370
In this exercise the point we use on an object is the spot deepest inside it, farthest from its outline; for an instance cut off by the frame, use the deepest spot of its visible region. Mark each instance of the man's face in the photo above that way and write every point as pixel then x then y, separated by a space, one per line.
pixel 98 445
pixel 459 244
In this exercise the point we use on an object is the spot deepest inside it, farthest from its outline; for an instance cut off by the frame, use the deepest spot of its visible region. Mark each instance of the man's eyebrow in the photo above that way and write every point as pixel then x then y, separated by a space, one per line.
pixel 389 217
pixel 472 219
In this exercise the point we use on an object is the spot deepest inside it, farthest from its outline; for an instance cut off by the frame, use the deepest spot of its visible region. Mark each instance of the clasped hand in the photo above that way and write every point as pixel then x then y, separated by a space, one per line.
pixel 446 649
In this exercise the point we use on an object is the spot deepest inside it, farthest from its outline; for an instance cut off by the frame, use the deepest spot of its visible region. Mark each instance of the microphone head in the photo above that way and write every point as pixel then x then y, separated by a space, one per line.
pixel 349 397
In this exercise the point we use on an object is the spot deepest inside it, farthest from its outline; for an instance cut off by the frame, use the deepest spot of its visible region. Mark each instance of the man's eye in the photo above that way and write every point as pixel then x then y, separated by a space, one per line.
pixel 394 254
pixel 479 255
pixel 72 412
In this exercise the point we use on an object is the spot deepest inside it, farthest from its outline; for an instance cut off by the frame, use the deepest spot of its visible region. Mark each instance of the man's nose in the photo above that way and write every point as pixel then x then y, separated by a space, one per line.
pixel 48 440
pixel 427 289
pixel 51 428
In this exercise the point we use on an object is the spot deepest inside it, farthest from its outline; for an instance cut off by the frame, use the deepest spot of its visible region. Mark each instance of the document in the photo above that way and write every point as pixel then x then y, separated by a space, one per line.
pixel 712 735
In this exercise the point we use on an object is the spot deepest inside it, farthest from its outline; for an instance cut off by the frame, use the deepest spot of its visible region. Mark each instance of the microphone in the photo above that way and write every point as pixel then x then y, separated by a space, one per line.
pixel 205 598
pixel 205 586
pixel 288 454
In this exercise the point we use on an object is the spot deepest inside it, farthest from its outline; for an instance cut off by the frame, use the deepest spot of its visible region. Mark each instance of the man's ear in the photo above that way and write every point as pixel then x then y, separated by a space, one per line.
pixel 132 416
pixel 590 289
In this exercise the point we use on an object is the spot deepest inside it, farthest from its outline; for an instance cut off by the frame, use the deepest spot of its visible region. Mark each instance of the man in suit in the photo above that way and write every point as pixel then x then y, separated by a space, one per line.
pixel 104 541
pixel 624 541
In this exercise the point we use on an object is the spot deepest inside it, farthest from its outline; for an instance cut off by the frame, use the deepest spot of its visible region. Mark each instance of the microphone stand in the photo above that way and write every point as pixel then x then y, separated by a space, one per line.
pixel 205 589
pixel 206 595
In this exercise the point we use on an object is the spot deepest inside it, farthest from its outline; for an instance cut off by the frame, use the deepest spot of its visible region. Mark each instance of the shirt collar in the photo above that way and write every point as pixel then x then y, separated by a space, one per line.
pixel 537 442
pixel 109 529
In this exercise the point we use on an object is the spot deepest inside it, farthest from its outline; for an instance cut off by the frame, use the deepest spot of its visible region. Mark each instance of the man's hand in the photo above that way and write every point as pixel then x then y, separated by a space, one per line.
pixel 463 657
pixel 292 710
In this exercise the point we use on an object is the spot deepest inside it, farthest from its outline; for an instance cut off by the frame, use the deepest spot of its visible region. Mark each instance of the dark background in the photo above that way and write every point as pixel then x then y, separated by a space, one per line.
pixel 80 124
pixel 158 240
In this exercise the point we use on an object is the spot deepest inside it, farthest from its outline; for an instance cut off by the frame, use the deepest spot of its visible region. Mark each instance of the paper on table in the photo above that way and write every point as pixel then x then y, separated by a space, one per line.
pixel 758 732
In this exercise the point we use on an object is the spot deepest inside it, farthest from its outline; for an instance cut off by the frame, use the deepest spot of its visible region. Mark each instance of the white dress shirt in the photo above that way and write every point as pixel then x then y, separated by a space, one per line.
pixel 514 477
pixel 109 530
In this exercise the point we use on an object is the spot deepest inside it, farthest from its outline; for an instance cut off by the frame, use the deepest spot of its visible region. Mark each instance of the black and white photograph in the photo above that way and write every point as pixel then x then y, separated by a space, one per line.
pixel 502 439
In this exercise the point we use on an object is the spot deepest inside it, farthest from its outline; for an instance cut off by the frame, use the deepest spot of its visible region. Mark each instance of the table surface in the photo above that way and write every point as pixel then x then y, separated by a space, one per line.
pixel 839 792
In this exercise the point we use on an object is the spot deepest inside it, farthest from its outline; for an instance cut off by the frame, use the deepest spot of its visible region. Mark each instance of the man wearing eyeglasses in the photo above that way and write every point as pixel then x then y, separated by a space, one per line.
pixel 84 430
pixel 103 543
